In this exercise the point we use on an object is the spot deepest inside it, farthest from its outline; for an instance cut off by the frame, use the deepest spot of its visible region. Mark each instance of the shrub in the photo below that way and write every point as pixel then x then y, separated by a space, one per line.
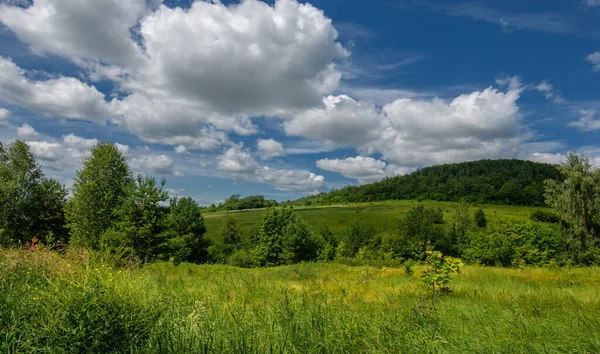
pixel 507 241
pixel 544 216
pixel 480 218
pixel 438 275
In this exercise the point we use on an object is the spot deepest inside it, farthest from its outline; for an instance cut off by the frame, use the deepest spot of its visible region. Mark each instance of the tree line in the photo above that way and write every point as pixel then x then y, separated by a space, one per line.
pixel 111 210
pixel 511 182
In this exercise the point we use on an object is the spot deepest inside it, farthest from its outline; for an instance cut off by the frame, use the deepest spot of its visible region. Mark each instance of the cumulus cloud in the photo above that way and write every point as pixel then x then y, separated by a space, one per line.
pixel 594 59
pixel 269 148
pixel 236 160
pixel 160 164
pixel 290 180
pixel 343 121
pixel 248 57
pixel 63 96
pixel 97 30
pixel 180 149
pixel 588 121
pixel 26 132
pixel 46 150
pixel 4 113
pixel 482 124
pixel 364 169
pixel 242 165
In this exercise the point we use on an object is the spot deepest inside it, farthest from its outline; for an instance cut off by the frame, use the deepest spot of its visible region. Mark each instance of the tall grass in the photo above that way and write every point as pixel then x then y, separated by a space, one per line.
pixel 81 303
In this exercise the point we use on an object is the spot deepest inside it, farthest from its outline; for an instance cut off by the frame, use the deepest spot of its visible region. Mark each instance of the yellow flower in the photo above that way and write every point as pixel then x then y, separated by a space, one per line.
pixel 36 299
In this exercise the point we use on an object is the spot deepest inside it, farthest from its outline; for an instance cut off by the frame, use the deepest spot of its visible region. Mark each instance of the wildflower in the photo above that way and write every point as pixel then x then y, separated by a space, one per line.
pixel 36 299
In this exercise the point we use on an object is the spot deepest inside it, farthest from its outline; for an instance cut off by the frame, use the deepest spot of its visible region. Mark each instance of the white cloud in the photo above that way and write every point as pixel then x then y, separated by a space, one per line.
pixel 178 174
pixel 243 166
pixel 588 121
pixel 180 149
pixel 290 180
pixel 248 57
pixel 161 164
pixel 74 141
pixel 97 30
pixel 482 124
pixel 363 169
pixel 237 161
pixel 546 157
pixel 4 113
pixel 549 92
pixel 27 132
pixel 594 59
pixel 46 150
pixel 343 121
pixel 124 149
pixel 63 96
pixel 269 148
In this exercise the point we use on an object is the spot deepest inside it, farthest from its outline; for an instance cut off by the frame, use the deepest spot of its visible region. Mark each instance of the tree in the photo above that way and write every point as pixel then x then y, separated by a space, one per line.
pixel 480 218
pixel 31 205
pixel 98 190
pixel 577 201
pixel 458 232
pixel 228 241
pixel 186 229
pixel 299 242
pixel 421 226
pixel 140 219
pixel 270 237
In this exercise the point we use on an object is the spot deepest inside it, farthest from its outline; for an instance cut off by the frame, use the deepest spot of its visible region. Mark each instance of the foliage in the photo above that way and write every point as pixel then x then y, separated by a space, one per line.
pixel 509 242
pixel 358 234
pixel 31 205
pixel 437 277
pixel 98 190
pixel 236 202
pixel 229 241
pixel 512 182
pixel 576 200
pixel 140 220
pixel 544 216
pixel 422 227
pixel 480 218
pixel 185 228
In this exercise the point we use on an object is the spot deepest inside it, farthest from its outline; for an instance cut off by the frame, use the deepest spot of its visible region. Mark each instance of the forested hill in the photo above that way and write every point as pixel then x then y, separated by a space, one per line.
pixel 514 182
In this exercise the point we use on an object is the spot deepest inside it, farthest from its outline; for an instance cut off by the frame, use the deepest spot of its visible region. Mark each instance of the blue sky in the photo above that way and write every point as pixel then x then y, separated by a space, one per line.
pixel 285 98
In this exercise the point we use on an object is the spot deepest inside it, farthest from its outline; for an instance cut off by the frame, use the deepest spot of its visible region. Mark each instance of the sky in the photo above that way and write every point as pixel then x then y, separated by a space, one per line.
pixel 288 98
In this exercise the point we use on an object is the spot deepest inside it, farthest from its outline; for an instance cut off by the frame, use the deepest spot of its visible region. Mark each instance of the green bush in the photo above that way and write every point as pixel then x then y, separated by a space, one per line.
pixel 544 216
pixel 507 242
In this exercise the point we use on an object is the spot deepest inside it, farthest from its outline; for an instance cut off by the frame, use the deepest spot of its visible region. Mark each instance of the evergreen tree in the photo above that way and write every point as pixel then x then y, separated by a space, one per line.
pixel 98 190
pixel 480 218
pixel 140 219
pixel 186 229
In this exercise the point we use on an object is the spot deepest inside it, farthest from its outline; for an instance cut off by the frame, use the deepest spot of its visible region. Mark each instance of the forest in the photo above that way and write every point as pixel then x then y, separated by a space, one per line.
pixel 511 182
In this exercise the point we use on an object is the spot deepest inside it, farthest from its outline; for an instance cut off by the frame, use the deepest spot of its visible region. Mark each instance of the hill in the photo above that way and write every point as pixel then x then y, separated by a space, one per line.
pixel 505 181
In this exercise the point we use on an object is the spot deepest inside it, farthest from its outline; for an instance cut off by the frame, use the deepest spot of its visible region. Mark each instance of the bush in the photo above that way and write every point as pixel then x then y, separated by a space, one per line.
pixel 480 218
pixel 506 242
pixel 241 258
pixel 544 216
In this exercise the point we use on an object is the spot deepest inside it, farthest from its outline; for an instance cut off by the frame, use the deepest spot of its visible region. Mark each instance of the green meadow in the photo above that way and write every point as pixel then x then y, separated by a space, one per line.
pixel 80 303
pixel 383 215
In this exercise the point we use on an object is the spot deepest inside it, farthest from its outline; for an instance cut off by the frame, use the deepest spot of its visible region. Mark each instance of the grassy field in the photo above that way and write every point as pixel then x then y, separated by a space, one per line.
pixel 80 303
pixel 383 215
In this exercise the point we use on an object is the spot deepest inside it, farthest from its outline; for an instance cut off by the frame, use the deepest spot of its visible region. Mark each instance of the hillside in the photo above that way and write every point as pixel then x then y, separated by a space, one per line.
pixel 511 182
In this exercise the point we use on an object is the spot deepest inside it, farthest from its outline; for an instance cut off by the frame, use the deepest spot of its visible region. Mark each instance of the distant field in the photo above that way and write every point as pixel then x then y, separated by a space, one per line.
pixel 52 303
pixel 384 215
